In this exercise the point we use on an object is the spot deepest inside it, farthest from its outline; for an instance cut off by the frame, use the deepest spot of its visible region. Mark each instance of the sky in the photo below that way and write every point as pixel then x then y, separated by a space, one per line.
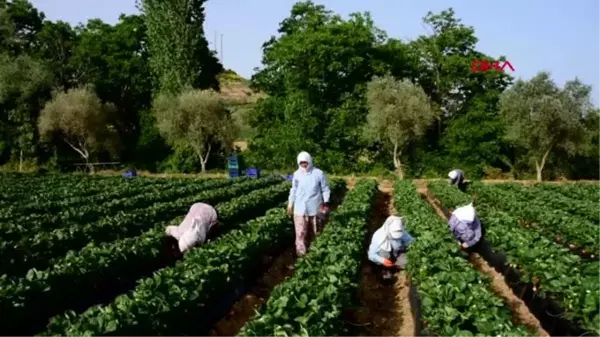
pixel 559 36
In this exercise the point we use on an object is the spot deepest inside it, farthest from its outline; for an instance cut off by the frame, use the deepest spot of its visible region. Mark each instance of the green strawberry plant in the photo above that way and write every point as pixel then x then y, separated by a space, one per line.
pixel 455 299
pixel 39 251
pixel 312 301
pixel 554 223
pixel 27 226
pixel 554 271
pixel 571 190
pixel 585 209
pixel 158 304
pixel 122 190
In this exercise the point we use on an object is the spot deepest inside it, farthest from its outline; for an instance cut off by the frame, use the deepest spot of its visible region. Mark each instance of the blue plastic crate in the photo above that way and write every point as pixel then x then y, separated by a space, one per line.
pixel 232 162
pixel 130 174
pixel 234 173
pixel 253 173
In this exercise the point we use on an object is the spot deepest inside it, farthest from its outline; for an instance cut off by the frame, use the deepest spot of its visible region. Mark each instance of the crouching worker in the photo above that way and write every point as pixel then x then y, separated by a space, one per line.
pixel 466 228
pixel 200 224
pixel 457 177
pixel 388 246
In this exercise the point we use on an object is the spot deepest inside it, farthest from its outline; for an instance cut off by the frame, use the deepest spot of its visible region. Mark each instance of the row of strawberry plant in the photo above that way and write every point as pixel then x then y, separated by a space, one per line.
pixel 312 301
pixel 455 299
pixel 16 182
pixel 39 251
pixel 555 273
pixel 583 208
pixel 204 278
pixel 571 190
pixel 555 224
pixel 51 189
pixel 94 268
pixel 24 227
pixel 122 189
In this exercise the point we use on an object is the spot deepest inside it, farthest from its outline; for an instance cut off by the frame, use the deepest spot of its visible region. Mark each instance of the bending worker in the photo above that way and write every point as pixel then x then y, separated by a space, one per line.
pixel 389 244
pixel 457 177
pixel 466 228
pixel 309 195
pixel 201 221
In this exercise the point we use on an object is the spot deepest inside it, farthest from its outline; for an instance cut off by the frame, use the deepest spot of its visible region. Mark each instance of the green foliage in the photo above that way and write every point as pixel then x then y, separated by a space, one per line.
pixel 179 54
pixel 455 299
pixel 322 108
pixel 311 90
pixel 312 301
pixel 542 117
pixel 196 119
pixel 399 112
pixel 40 248
pixel 95 266
pixel 556 273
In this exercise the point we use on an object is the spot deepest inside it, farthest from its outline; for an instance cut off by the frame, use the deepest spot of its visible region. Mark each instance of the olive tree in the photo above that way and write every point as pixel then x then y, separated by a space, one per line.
pixel 541 117
pixel 81 120
pixel 399 112
pixel 195 118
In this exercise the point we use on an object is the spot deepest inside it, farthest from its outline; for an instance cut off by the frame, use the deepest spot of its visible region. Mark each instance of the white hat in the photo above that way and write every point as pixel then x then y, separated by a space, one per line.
pixel 465 213
pixel 396 229
pixel 453 174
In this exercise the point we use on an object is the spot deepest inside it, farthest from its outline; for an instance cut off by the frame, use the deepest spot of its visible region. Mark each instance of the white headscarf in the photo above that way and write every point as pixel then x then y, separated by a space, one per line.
pixel 453 174
pixel 465 213
pixel 392 229
pixel 304 156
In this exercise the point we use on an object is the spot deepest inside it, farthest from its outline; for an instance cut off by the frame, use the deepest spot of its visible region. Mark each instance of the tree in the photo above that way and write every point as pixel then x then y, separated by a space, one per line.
pixel 315 74
pixel 197 119
pixel 179 51
pixel 57 42
pixel 399 112
pixel 25 85
pixel 114 59
pixel 80 119
pixel 542 117
pixel 26 23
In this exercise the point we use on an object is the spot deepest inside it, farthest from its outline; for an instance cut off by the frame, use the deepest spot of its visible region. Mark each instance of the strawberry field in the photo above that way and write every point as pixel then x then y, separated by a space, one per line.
pixel 87 256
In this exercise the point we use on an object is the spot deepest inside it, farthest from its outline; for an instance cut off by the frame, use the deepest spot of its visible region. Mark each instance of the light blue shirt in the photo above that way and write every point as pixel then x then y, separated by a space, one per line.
pixel 309 191
pixel 375 253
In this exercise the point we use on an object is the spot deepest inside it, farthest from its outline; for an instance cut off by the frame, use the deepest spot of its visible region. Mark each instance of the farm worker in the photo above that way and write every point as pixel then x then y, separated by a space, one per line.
pixel 200 221
pixel 389 244
pixel 466 228
pixel 309 195
pixel 457 177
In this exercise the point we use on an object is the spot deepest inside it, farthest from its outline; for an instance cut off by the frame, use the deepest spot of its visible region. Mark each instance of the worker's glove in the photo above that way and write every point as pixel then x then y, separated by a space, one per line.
pixel 388 263
pixel 325 208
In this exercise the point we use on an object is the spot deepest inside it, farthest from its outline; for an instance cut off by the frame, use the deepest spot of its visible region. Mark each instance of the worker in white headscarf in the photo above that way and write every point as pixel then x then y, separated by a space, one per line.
pixel 309 195
pixel 200 223
pixel 466 228
pixel 457 177
pixel 389 244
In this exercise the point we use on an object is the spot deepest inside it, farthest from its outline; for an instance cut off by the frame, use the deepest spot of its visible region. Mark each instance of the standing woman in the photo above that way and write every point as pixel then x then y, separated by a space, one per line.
pixel 309 194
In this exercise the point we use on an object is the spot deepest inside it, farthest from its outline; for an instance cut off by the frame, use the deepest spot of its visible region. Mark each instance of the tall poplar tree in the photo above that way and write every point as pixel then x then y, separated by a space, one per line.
pixel 179 53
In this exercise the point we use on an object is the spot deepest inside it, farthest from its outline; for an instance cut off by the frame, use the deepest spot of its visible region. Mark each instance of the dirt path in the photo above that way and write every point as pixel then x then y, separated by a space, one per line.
pixel 244 309
pixel 521 312
pixel 385 309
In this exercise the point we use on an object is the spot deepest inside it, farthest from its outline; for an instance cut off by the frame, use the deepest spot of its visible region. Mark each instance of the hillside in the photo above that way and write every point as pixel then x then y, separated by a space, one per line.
pixel 236 90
